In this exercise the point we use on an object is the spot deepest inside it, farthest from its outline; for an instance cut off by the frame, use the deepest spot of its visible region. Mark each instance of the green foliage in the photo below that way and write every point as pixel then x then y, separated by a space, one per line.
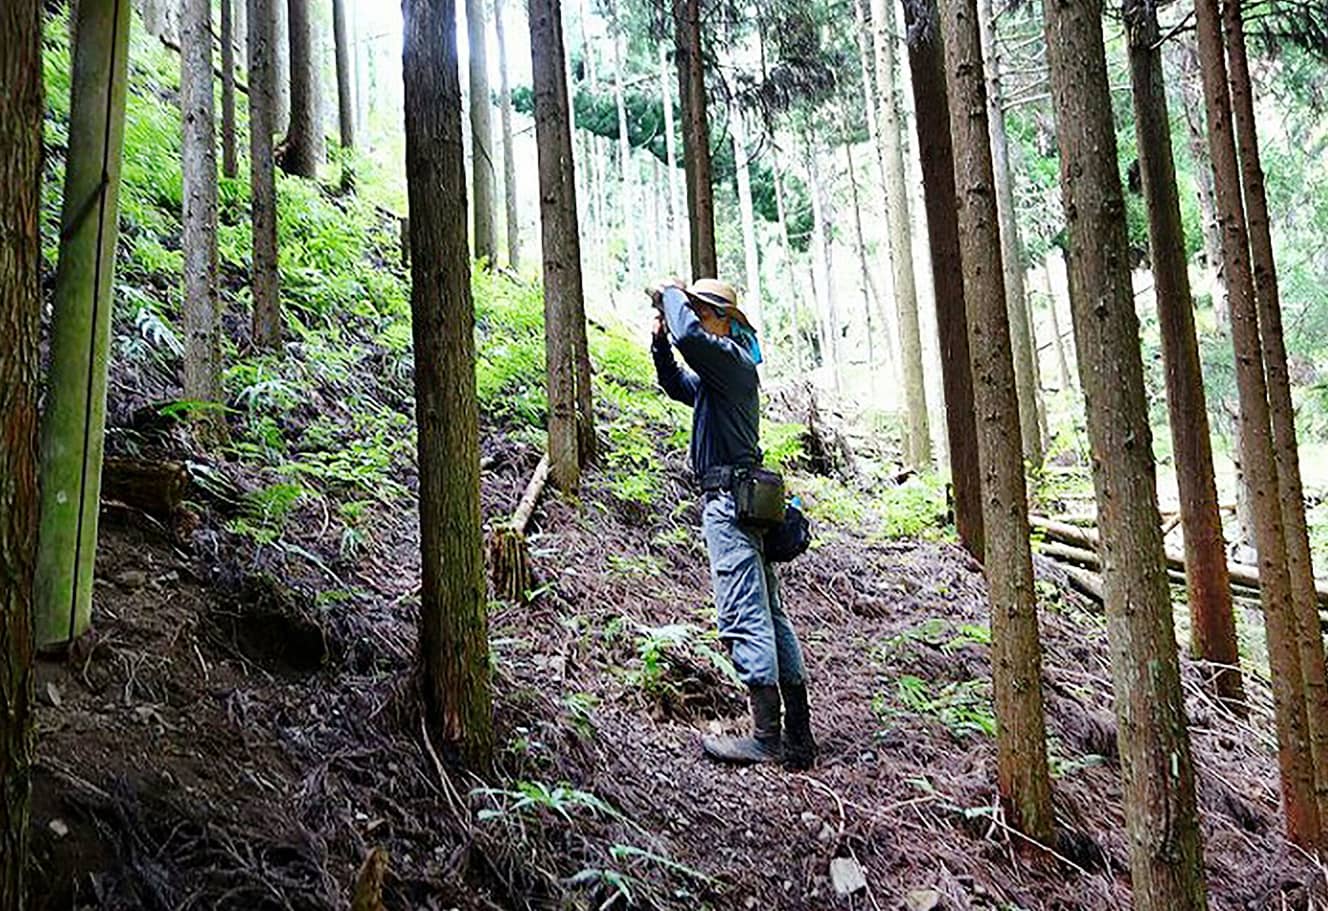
pixel 266 512
pixel 963 707
pixel 531 799
pixel 659 648
pixel 941 634
pixel 914 509
pixel 782 444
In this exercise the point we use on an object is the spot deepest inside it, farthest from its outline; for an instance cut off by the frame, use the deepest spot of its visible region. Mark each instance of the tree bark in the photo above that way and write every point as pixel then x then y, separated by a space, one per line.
pixel 304 138
pixel 454 645
pixel 1213 625
pixel 20 364
pixel 677 244
pixel 278 31
pixel 561 243
pixel 1021 331
pixel 202 305
pixel 867 286
pixel 1053 305
pixel 781 225
pixel 1166 850
pixel 481 135
pixel 74 421
pixel 228 154
pixel 900 235
pixel 1021 757
pixel 262 179
pixel 823 300
pixel 936 151
pixel 345 92
pixel 695 137
pixel 627 195
pixel 751 255
pixel 1286 454
pixel 1191 85
pixel 513 223
pixel 1257 458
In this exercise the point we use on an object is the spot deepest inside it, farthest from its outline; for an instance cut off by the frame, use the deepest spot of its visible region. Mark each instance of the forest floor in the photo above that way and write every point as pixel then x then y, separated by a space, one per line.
pixel 224 740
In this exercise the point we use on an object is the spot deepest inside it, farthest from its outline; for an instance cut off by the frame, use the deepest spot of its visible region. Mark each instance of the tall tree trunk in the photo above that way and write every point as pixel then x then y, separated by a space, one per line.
pixel 278 31
pixel 1021 756
pixel 900 235
pixel 795 335
pixel 304 138
pixel 74 421
pixel 695 137
pixel 20 364
pixel 262 179
pixel 1213 626
pixel 481 134
pixel 345 92
pixel 823 301
pixel 560 242
pixel 1021 331
pixel 1257 457
pixel 870 109
pixel 1191 84
pixel 202 306
pixel 454 634
pixel 870 298
pixel 1166 851
pixel 228 156
pixel 926 55
pixel 1283 413
pixel 751 256
pixel 677 243
pixel 509 156
pixel 1053 305
pixel 627 201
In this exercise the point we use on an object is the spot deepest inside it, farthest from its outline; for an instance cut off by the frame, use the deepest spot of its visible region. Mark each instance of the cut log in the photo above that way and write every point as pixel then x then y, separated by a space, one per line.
pixel 1072 544
pixel 509 558
pixel 156 488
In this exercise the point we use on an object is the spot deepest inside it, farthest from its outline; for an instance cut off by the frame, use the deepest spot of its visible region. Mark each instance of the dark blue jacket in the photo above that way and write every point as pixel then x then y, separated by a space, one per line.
pixel 722 387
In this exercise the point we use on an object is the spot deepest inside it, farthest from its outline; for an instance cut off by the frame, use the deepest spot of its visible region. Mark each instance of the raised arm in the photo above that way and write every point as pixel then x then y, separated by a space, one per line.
pixel 719 361
pixel 679 383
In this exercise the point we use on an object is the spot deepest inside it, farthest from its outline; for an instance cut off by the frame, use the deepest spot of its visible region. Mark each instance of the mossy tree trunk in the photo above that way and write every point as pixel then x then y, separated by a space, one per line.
pixel 695 137
pixel 481 134
pixel 1021 755
pixel 262 176
pixel 918 448
pixel 304 137
pixel 20 363
pixel 202 305
pixel 509 155
pixel 1166 850
pixel 1283 413
pixel 228 152
pixel 926 55
pixel 1212 622
pixel 74 421
pixel 561 243
pixel 454 641
pixel 1257 464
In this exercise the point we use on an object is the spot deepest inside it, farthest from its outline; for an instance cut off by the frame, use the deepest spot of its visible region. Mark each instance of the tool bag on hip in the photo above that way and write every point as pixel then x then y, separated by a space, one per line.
pixel 791 537
pixel 758 497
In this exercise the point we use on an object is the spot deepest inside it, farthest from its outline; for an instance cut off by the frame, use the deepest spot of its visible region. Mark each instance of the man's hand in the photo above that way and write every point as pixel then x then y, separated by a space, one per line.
pixel 660 331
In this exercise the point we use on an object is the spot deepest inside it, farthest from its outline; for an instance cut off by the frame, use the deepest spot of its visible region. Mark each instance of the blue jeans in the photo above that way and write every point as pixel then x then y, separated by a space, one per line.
pixel 752 622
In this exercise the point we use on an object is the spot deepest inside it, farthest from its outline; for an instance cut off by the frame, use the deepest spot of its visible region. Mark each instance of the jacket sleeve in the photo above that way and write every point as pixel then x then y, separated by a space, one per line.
pixel 679 383
pixel 721 362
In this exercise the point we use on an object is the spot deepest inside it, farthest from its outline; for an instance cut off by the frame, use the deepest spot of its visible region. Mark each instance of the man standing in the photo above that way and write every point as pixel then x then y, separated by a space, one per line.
pixel 722 388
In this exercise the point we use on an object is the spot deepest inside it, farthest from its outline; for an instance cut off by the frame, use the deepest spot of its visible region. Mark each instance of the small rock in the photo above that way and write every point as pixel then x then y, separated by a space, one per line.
pixel 826 835
pixel 847 876
pixel 58 828
pixel 130 579
pixel 810 820
pixel 923 900
pixel 53 694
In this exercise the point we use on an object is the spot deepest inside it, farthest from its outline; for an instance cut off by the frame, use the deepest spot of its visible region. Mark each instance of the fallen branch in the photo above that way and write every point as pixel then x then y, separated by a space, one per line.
pixel 509 558
pixel 368 892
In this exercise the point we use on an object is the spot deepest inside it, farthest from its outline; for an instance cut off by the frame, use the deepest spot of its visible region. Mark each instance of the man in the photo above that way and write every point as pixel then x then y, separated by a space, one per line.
pixel 719 345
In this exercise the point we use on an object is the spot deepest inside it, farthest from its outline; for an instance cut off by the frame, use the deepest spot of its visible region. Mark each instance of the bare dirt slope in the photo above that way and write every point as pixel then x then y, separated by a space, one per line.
pixel 224 740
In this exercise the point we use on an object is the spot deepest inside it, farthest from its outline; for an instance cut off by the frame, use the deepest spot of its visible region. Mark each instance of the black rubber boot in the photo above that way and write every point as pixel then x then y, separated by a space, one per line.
pixel 763 745
pixel 799 748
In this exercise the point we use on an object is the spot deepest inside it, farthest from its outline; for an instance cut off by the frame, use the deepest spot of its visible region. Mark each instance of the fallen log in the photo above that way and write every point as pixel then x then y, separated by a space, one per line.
pixel 156 488
pixel 509 558
pixel 1072 544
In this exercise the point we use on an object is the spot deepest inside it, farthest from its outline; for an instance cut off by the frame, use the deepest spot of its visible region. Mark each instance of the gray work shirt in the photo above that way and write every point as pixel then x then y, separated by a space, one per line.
pixel 722 388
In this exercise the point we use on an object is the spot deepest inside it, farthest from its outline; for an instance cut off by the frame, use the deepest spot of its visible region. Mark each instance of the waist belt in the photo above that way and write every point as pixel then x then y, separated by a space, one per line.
pixel 723 477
